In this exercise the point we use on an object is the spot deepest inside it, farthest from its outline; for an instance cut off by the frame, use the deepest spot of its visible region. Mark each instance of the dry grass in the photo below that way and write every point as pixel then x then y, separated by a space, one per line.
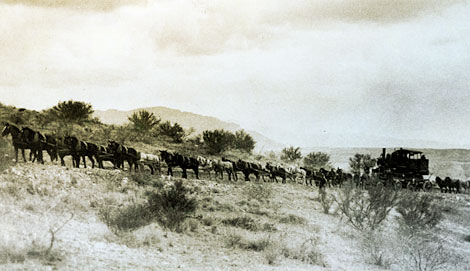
pixel 245 232
pixel 292 219
pixel 243 222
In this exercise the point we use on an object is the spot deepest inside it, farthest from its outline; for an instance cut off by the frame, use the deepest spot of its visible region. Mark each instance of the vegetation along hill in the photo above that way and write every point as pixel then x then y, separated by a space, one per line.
pixel 187 120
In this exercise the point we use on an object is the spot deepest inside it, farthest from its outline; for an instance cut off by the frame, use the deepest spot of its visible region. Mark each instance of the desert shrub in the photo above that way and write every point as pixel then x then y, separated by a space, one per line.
pixel 12 189
pixel 244 222
pixel 326 201
pixel 376 248
pixel 5 159
pixel 171 206
pixel 260 192
pixel 192 225
pixel 418 211
pixel 292 219
pixel 307 252
pixel 208 221
pixel 259 211
pixel 424 253
pixel 258 244
pixel 127 218
pixel 271 254
pixel 365 211
pixel 235 240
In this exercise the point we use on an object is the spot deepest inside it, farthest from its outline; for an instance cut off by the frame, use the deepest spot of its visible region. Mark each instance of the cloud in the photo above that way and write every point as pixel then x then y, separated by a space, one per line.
pixel 84 5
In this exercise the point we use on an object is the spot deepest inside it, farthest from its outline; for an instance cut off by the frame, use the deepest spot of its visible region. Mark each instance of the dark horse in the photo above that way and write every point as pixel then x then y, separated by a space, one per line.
pixel 184 162
pixel 23 139
pixel 122 153
pixel 35 140
pixel 77 149
pixel 246 168
pixel 277 171
pixel 17 140
pixel 448 185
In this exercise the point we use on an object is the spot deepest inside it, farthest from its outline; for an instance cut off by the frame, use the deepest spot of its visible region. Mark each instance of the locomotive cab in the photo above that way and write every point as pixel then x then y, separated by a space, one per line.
pixel 402 166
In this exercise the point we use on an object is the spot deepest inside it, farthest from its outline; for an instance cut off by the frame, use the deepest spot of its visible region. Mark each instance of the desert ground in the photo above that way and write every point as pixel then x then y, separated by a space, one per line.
pixel 61 218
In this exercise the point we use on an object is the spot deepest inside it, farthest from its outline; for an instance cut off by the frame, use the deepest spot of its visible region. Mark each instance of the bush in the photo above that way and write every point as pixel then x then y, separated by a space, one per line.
pixel 171 206
pixel 366 211
pixel 234 240
pixel 244 222
pixel 292 219
pixel 425 254
pixel 260 192
pixel 127 218
pixel 418 211
pixel 307 252
pixel 325 201
pixel 376 247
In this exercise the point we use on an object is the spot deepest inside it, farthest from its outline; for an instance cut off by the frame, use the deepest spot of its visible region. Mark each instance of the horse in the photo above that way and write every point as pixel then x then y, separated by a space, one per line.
pixel 309 174
pixel 205 164
pixel 220 166
pixel 320 178
pixel 276 171
pixel 17 140
pixel 184 162
pixel 152 161
pixel 448 185
pixel 63 150
pixel 77 149
pixel 246 168
pixel 295 173
pixel 93 151
pixel 51 147
pixel 465 186
pixel 34 141
pixel 122 153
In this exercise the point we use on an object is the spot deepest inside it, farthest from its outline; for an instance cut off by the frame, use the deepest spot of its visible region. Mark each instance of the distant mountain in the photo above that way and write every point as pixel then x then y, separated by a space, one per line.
pixel 187 120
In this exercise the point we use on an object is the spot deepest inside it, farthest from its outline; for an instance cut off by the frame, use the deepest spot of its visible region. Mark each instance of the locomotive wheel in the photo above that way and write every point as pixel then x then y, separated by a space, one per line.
pixel 427 186
pixel 397 185
pixel 410 186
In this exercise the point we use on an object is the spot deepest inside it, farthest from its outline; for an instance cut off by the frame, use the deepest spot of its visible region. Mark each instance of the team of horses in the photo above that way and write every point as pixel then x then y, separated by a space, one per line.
pixel 118 154
pixel 58 147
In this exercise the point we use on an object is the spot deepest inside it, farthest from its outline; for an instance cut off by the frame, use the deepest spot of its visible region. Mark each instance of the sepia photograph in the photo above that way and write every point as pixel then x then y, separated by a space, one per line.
pixel 329 135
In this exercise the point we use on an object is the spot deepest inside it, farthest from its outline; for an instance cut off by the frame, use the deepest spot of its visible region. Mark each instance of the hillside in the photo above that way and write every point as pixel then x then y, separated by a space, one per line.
pixel 188 120
pixel 56 218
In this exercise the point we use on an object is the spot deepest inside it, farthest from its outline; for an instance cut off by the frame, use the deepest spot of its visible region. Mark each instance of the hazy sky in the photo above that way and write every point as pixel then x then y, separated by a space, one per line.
pixel 310 73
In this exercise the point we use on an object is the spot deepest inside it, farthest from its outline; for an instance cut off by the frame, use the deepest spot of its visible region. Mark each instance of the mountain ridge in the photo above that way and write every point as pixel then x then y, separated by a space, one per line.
pixel 187 120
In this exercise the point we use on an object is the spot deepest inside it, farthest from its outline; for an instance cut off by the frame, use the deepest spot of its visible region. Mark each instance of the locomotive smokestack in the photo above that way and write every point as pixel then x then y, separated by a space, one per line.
pixel 383 152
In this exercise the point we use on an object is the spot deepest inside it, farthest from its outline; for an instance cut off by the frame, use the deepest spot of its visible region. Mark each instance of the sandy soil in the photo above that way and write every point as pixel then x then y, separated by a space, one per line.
pixel 35 199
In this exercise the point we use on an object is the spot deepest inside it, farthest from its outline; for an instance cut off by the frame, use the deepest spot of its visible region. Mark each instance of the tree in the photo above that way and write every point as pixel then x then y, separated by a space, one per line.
pixel 243 141
pixel 218 141
pixel 71 112
pixel 317 160
pixel 175 132
pixel 355 163
pixel 291 154
pixel 362 162
pixel 143 121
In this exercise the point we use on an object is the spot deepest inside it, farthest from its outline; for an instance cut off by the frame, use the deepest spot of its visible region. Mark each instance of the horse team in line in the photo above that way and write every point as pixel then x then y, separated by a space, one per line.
pixel 59 147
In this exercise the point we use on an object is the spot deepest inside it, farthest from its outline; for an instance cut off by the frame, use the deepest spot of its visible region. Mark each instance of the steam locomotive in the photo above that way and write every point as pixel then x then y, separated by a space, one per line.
pixel 403 169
